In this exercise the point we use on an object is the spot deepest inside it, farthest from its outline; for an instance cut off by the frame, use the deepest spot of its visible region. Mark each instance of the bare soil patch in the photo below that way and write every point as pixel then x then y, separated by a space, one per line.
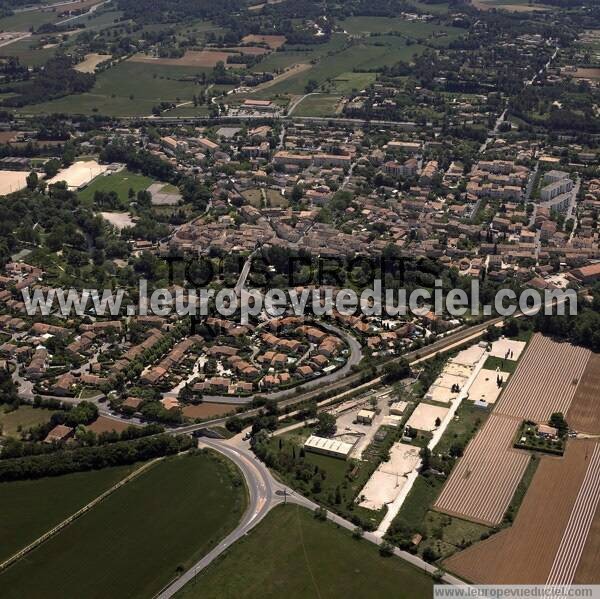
pixel 91 62
pixel 207 410
pixel 106 425
pixel 273 41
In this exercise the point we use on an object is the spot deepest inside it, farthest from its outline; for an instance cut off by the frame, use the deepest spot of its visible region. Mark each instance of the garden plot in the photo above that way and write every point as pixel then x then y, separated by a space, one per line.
pixel 387 482
pixel 424 417
pixel 507 349
pixel 485 386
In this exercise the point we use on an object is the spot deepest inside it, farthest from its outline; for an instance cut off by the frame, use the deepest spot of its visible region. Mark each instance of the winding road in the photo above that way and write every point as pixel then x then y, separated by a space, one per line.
pixel 264 493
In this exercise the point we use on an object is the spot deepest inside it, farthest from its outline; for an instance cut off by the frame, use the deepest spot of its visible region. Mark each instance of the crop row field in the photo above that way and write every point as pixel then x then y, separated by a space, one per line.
pixel 556 535
pixel 584 413
pixel 483 482
pixel 133 542
pixel 545 381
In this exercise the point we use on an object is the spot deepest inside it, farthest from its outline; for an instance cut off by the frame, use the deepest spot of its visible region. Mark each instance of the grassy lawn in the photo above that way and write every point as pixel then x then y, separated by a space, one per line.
pixel 330 481
pixel 120 183
pixel 24 417
pixel 21 518
pixel 254 197
pixel 132 543
pixel 293 555
pixel 504 365
pixel 275 199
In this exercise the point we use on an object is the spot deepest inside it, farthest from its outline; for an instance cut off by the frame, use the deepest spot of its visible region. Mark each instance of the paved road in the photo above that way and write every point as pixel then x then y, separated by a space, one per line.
pixel 264 494
pixel 340 374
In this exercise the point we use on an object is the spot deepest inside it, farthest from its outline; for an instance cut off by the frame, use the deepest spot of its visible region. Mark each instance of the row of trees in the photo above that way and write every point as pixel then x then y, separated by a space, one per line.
pixel 93 458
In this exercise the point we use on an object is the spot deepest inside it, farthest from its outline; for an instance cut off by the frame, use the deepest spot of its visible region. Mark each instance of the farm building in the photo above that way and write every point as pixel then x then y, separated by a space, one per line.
pixel 330 447
pixel 365 417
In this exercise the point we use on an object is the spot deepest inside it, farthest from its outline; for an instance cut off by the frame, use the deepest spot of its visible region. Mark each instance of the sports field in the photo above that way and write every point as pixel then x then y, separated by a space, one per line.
pixel 132 543
pixel 22 519
pixel 120 183
pixel 293 555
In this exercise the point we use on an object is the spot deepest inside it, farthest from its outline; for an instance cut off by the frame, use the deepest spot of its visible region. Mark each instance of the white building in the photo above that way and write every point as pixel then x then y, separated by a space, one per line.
pixel 555 189
pixel 330 447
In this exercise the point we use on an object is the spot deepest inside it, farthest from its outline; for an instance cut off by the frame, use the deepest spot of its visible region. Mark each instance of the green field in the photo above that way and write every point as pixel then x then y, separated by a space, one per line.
pixel 24 417
pixel 127 89
pixel 120 183
pixel 27 53
pixel 132 543
pixel 358 25
pixel 23 21
pixel 30 508
pixel 293 555
pixel 375 52
pixel 321 105
pixel 443 534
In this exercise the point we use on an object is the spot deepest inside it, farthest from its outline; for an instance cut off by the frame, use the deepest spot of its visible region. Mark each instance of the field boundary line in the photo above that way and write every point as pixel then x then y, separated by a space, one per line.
pixel 53 531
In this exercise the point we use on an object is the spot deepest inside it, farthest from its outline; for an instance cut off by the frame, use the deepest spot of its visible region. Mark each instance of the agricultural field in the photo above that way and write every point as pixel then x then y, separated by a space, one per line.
pixel 292 554
pixel 545 381
pixel 368 55
pixel 318 105
pixel 547 542
pixel 120 183
pixel 416 29
pixel 11 421
pixel 28 51
pixel 131 544
pixel 127 89
pixel 483 482
pixel 21 519
pixel 509 5
pixel 584 413
pixel 192 58
pixel 485 479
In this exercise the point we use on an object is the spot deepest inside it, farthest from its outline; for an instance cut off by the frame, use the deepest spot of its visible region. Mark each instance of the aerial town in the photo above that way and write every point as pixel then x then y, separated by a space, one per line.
pixel 257 148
